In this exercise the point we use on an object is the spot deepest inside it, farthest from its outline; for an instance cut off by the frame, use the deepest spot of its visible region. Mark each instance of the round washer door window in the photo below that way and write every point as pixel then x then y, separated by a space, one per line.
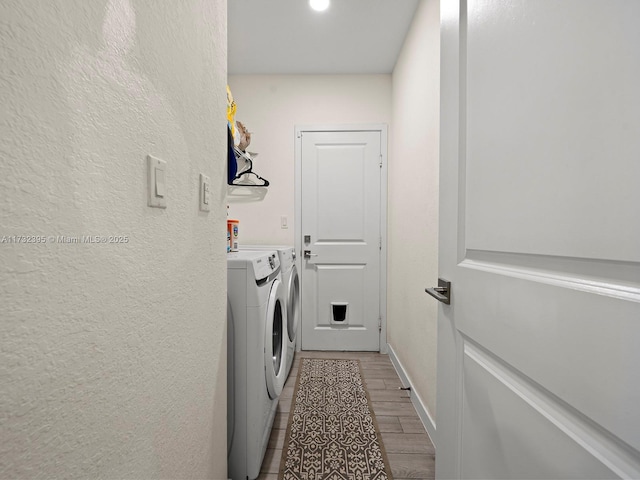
pixel 274 341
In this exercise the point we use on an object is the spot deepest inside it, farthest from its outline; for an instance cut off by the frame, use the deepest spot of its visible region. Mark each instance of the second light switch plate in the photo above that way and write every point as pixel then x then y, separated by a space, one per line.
pixel 205 193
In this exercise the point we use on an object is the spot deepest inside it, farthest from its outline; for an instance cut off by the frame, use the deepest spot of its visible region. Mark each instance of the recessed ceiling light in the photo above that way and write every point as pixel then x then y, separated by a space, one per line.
pixel 319 5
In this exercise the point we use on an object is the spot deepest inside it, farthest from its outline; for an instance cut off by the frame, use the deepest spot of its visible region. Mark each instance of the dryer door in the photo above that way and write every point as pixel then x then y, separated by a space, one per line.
pixel 275 347
pixel 293 305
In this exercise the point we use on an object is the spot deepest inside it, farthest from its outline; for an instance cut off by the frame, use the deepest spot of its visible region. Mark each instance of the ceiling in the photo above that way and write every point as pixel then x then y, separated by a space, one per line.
pixel 287 37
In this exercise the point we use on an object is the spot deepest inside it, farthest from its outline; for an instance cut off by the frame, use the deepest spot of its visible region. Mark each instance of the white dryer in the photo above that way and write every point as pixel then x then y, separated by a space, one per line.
pixel 256 357
pixel 291 281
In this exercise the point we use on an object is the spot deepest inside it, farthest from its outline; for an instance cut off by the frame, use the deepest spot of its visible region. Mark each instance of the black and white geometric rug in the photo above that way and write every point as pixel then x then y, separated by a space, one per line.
pixel 332 433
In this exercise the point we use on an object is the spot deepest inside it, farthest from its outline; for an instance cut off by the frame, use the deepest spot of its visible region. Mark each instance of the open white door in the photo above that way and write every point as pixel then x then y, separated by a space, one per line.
pixel 539 349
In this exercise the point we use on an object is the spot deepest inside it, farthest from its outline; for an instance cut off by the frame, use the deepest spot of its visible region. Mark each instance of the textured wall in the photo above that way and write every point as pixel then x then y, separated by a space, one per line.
pixel 112 356
pixel 271 106
pixel 413 202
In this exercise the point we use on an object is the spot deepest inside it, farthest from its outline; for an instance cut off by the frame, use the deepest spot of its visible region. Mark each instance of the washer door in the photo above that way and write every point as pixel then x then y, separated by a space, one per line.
pixel 293 304
pixel 231 378
pixel 275 347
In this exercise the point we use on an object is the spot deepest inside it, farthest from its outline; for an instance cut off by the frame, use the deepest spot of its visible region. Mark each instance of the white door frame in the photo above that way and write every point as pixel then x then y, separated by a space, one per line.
pixel 383 210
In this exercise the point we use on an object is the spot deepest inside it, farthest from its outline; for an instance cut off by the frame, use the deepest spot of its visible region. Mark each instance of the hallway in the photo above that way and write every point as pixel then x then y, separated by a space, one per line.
pixel 409 450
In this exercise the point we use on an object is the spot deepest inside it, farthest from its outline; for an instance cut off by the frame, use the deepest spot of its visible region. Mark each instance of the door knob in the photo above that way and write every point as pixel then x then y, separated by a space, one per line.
pixel 442 292
pixel 308 254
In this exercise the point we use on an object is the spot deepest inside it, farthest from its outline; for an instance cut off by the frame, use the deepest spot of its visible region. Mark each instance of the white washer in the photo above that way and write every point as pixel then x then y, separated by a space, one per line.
pixel 256 358
pixel 291 281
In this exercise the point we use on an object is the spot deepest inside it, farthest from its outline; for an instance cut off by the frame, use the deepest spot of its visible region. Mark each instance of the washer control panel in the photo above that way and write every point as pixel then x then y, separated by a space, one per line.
pixel 265 265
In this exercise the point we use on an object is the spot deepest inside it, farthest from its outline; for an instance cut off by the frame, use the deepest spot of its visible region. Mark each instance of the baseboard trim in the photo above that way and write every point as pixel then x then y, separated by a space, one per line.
pixel 425 417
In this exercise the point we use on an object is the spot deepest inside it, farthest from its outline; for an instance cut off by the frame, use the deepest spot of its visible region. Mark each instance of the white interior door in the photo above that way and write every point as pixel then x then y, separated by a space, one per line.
pixel 340 230
pixel 540 236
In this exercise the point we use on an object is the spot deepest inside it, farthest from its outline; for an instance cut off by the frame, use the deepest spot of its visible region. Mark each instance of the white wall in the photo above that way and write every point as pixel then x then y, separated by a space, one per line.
pixel 271 106
pixel 113 357
pixel 413 203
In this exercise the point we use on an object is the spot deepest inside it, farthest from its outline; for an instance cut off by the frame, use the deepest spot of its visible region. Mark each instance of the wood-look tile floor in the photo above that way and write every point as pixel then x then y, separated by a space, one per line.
pixel 409 450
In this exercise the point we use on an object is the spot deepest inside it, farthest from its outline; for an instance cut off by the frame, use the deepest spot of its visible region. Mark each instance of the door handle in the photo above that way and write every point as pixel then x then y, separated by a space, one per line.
pixel 308 254
pixel 442 292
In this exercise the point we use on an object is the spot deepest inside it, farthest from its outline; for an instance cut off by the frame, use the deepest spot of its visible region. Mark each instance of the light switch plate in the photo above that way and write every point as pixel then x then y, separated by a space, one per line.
pixel 205 193
pixel 156 182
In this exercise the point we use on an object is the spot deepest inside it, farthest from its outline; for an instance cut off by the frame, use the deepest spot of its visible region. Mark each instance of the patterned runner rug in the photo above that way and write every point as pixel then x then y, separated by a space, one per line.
pixel 332 433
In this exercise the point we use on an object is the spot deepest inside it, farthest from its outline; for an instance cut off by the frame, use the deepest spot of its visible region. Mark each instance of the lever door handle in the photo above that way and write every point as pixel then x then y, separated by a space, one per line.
pixel 308 254
pixel 442 292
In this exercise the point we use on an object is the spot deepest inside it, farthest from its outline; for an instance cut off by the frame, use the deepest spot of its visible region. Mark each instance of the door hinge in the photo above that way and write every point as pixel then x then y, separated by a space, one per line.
pixel 379 323
pixel 380 243
pixel 380 160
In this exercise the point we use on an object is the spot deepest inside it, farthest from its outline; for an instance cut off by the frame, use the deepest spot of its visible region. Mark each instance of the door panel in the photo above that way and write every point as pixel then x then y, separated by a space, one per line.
pixel 341 215
pixel 498 403
pixel 340 200
pixel 341 288
pixel 549 118
pixel 540 237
